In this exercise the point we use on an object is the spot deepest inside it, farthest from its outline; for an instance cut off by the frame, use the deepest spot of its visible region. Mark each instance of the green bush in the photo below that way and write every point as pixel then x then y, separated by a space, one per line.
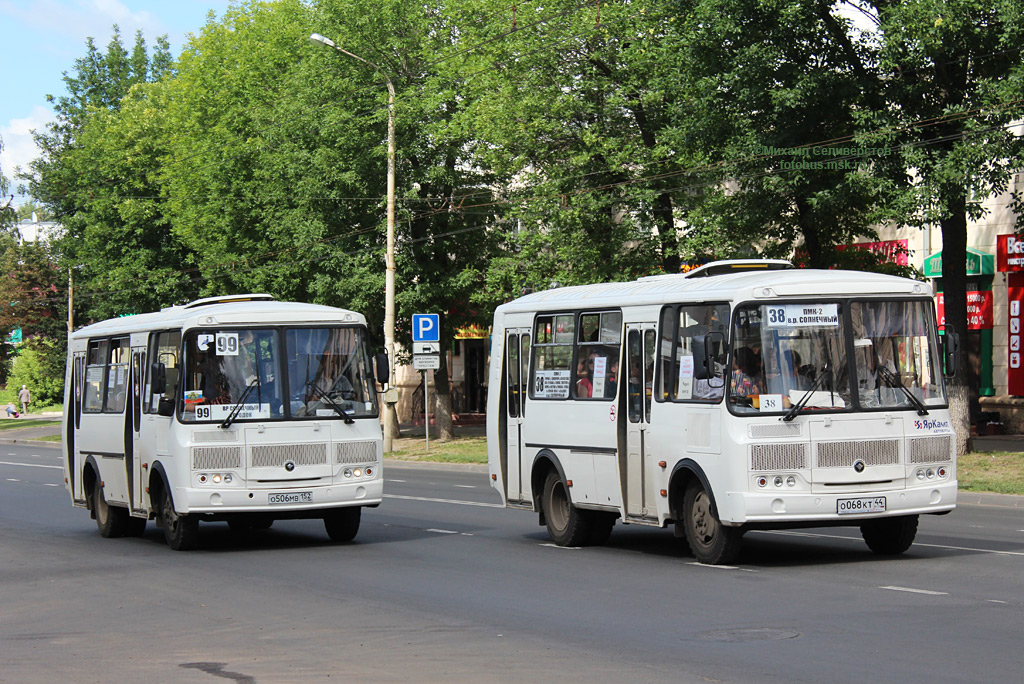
pixel 39 365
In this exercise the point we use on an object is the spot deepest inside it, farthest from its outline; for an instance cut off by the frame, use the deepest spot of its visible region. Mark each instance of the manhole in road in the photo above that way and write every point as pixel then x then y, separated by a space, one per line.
pixel 751 634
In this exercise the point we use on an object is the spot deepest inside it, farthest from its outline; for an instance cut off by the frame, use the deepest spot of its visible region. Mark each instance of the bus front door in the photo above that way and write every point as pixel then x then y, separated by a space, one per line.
pixel 517 360
pixel 638 491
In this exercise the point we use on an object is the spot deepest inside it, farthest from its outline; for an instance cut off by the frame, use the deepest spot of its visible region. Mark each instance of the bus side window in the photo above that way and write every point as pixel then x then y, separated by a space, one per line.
pixel 164 352
pixel 95 374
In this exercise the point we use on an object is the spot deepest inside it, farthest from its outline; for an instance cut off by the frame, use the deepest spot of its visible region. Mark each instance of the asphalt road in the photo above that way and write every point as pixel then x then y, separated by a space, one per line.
pixel 441 585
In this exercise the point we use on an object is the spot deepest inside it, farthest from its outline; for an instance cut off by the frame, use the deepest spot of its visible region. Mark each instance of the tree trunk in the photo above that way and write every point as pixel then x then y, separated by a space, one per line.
pixel 443 402
pixel 954 289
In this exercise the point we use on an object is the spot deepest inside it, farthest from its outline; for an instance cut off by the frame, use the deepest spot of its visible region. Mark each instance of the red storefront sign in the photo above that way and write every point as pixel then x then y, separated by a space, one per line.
pixel 1009 253
pixel 979 310
pixel 1015 312
pixel 895 251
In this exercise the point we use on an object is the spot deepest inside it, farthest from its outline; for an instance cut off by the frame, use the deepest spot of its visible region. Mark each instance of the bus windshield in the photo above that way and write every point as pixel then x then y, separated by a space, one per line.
pixel 792 354
pixel 241 372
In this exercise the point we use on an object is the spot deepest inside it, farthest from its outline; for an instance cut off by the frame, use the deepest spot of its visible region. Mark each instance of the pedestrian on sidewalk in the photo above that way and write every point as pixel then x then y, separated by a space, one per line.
pixel 25 397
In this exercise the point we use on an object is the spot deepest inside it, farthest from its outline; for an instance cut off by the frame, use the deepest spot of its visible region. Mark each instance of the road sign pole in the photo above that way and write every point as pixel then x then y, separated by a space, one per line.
pixel 426 408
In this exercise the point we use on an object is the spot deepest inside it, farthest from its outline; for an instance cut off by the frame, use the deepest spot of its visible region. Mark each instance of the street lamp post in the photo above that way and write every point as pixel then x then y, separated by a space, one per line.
pixel 389 273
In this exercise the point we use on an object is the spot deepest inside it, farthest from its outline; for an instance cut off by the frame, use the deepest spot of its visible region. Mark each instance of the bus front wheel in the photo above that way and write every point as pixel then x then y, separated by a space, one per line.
pixel 890 536
pixel 180 531
pixel 710 541
pixel 112 521
pixel 567 525
pixel 342 524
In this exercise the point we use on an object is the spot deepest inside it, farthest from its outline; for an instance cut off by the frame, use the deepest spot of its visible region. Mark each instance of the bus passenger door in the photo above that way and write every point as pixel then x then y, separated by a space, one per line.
pixel 133 429
pixel 640 352
pixel 517 361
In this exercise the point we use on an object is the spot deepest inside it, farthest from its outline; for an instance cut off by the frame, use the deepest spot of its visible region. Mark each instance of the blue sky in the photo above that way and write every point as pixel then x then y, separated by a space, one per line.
pixel 40 40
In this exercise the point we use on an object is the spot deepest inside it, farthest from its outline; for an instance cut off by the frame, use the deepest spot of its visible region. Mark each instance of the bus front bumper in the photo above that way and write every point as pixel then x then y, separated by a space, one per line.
pixel 794 507
pixel 283 500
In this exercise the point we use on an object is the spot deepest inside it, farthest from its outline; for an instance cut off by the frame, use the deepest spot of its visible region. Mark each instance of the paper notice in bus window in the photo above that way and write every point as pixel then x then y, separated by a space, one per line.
pixel 771 402
pixel 222 411
pixel 685 385
pixel 600 372
pixel 551 384
pixel 227 344
pixel 802 315
pixel 203 341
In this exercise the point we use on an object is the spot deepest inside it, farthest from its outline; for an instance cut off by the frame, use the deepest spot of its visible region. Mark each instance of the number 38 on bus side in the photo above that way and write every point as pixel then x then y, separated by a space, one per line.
pixel 241 409
pixel 741 395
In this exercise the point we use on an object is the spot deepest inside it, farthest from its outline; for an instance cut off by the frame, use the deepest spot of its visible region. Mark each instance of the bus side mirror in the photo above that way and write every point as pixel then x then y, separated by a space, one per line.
pixel 383 368
pixel 951 353
pixel 165 407
pixel 159 375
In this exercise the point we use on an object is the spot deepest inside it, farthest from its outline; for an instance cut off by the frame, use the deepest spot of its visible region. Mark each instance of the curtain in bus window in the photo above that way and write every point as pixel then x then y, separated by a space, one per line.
pixel 894 346
pixel 328 367
pixel 117 376
pixel 96 364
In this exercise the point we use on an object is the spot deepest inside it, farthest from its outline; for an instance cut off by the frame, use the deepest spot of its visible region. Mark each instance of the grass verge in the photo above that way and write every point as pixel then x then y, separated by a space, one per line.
pixel 459 450
pixel 1001 472
pixel 21 423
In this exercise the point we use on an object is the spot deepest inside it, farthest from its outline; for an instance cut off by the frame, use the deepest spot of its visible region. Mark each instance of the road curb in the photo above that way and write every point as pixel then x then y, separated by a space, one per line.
pixel 989 499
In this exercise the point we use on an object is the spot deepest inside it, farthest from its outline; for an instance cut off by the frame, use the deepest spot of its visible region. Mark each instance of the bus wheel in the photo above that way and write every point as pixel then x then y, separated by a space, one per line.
pixel 567 525
pixel 180 531
pixel 890 536
pixel 342 524
pixel 110 520
pixel 710 541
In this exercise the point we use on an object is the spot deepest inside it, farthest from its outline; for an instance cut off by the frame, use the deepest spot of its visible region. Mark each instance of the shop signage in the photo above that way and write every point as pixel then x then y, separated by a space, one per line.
pixel 1015 314
pixel 978 263
pixel 1009 253
pixel 979 310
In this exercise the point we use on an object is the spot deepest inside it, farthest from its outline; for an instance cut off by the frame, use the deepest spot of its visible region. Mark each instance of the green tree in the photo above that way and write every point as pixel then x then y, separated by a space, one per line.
pixel 952 77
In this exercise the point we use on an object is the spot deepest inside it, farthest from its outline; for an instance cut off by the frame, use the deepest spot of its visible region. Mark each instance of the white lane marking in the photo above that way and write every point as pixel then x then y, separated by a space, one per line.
pixel 390 480
pixel 465 486
pixel 31 465
pixel 447 501
pixel 50 484
pixel 11 479
pixel 996 601
pixel 713 567
pixel 437 531
pixel 912 590
pixel 929 546
pixel 563 548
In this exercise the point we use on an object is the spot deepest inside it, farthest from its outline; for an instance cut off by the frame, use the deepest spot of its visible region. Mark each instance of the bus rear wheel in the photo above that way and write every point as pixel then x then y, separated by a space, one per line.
pixel 180 531
pixel 342 524
pixel 710 541
pixel 567 525
pixel 111 521
pixel 890 536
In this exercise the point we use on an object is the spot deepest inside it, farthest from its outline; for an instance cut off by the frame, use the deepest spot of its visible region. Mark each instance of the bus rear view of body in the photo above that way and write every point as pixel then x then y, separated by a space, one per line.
pixel 743 395
pixel 239 409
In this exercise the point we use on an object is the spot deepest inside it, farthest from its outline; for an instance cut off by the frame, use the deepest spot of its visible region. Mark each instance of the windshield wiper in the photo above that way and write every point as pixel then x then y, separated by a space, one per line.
pixel 241 402
pixel 826 371
pixel 893 380
pixel 344 413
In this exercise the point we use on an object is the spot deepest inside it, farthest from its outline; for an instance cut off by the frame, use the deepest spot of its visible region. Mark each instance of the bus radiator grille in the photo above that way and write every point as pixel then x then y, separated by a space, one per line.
pixel 930 449
pixel 279 454
pixel 353 453
pixel 216 458
pixel 774 430
pixel 778 456
pixel 845 454
pixel 218 436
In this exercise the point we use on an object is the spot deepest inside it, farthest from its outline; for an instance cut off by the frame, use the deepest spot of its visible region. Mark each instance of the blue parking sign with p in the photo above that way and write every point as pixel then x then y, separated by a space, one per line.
pixel 426 328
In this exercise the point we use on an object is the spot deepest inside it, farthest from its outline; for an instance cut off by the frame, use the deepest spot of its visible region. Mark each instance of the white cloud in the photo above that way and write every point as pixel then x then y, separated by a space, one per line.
pixel 19 148
pixel 72 20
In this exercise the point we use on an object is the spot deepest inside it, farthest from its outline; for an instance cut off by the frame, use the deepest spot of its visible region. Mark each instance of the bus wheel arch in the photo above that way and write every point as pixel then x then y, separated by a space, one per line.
pixel 90 475
pixel 567 525
pixel 693 507
pixel 543 463
pixel 180 531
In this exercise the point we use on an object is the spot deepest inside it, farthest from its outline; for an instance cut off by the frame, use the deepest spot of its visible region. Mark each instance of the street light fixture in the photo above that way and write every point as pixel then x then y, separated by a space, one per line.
pixel 389 273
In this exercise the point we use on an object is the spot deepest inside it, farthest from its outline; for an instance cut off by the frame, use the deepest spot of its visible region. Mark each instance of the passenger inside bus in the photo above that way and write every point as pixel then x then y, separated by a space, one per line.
pixel 747 380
